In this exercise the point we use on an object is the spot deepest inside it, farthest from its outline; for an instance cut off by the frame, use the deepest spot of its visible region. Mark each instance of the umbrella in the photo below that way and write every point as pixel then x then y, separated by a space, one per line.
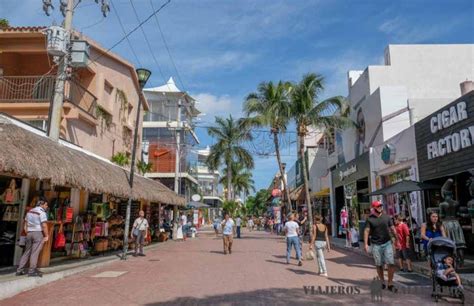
pixel 404 186
pixel 195 204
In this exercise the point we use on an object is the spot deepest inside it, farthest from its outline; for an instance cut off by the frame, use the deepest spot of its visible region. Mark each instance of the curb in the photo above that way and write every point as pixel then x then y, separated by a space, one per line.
pixel 16 285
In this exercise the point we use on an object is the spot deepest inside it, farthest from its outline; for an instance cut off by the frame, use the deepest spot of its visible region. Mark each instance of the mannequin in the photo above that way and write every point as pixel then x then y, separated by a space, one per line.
pixel 345 225
pixel 448 210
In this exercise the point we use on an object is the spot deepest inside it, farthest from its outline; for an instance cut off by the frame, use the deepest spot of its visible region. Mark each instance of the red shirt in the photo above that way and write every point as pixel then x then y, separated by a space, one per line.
pixel 402 235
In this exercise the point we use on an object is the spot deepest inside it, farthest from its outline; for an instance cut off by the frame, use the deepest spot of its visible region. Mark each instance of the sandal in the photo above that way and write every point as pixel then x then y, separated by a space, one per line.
pixel 392 288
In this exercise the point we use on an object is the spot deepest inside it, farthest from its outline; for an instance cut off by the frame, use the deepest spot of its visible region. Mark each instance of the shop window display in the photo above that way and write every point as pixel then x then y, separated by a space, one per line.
pixel 10 199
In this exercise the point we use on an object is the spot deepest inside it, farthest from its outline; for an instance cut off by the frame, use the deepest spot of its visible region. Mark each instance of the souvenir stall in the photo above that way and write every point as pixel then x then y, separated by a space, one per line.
pixel 10 215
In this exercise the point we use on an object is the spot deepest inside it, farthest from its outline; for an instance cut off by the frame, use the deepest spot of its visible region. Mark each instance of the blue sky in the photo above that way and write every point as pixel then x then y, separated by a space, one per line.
pixel 223 49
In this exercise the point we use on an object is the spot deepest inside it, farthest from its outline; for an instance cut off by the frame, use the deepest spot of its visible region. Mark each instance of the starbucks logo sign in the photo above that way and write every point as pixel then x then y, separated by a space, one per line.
pixel 388 154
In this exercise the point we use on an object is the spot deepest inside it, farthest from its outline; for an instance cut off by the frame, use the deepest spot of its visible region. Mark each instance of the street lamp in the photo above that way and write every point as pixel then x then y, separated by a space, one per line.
pixel 143 76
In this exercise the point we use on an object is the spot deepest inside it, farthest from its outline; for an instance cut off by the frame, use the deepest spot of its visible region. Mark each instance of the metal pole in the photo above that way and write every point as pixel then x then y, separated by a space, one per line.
pixel 57 105
pixel 177 169
pixel 132 173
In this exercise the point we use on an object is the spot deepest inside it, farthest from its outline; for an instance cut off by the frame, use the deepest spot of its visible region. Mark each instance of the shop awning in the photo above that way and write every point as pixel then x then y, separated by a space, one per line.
pixel 404 186
pixel 27 152
pixel 325 192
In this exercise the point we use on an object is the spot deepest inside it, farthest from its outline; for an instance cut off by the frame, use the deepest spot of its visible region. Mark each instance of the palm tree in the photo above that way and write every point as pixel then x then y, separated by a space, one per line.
pixel 270 106
pixel 242 181
pixel 144 167
pixel 307 111
pixel 229 135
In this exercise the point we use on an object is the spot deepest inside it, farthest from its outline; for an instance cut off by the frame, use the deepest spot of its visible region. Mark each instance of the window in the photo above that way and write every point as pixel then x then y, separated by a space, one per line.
pixel 41 124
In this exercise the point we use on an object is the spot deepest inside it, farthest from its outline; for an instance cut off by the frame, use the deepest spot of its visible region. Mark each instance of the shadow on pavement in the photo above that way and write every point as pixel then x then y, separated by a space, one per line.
pixel 302 272
pixel 285 296
pixel 217 252
pixel 276 262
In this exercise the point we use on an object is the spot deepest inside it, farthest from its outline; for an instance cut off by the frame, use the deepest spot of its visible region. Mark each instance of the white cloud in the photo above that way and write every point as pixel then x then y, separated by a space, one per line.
pixel 212 105
pixel 403 31
pixel 230 60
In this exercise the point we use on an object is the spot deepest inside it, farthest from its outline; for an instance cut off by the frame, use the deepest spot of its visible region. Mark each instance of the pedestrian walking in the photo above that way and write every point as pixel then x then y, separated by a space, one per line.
pixel 184 225
pixel 238 223
pixel 216 226
pixel 140 233
pixel 37 234
pixel 228 232
pixel 250 224
pixel 403 243
pixel 320 239
pixel 378 227
pixel 292 240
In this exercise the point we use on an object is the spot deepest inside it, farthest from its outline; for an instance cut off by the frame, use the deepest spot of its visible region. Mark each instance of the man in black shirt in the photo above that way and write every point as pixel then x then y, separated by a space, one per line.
pixel 378 227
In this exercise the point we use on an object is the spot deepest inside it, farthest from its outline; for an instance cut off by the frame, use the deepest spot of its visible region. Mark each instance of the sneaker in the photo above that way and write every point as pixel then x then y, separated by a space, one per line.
pixel 35 274
pixel 384 286
pixel 409 271
pixel 324 274
pixel 135 255
pixel 141 254
pixel 392 288
pixel 300 263
pixel 20 273
pixel 402 270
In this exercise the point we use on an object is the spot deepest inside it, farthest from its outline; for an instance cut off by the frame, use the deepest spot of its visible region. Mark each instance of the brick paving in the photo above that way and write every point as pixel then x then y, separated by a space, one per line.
pixel 196 272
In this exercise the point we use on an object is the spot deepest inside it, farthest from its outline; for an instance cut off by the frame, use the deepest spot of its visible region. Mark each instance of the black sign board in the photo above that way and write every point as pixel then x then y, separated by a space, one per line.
pixel 445 140
pixel 349 172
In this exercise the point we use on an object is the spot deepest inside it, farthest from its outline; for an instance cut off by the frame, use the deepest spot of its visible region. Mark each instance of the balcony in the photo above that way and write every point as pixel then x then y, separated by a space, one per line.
pixel 31 95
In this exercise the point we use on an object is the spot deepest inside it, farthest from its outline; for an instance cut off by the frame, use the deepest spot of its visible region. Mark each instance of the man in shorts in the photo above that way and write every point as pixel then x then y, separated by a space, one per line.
pixel 378 226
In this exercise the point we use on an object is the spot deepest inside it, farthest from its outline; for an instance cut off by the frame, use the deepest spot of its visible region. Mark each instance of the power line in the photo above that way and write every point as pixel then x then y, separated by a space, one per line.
pixel 148 42
pixel 167 48
pixel 132 31
pixel 125 33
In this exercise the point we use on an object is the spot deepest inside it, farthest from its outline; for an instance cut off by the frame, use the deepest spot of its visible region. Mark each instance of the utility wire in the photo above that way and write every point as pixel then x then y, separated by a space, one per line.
pixel 148 42
pixel 132 31
pixel 125 33
pixel 167 48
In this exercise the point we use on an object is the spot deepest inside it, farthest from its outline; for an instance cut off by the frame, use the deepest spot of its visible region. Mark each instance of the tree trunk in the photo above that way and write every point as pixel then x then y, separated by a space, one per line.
pixel 305 181
pixel 229 181
pixel 282 174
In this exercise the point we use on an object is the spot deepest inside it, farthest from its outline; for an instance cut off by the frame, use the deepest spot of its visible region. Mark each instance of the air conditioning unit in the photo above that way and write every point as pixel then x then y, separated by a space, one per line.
pixel 79 53
pixel 56 40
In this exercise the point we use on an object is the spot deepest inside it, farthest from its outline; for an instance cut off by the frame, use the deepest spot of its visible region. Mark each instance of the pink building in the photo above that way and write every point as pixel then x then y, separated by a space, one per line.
pixel 100 102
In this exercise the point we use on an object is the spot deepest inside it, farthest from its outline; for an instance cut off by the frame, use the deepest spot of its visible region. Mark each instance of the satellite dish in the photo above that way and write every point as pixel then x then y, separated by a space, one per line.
pixel 196 197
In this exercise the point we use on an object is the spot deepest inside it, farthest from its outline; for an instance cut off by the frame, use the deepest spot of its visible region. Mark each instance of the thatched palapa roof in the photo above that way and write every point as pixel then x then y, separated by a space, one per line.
pixel 27 152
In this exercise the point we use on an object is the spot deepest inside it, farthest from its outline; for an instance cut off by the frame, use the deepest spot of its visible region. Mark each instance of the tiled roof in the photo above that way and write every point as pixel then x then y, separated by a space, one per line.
pixel 23 29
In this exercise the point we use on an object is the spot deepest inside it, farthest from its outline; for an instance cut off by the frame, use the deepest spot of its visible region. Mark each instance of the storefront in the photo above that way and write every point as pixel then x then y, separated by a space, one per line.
pixel 87 195
pixel 350 185
pixel 445 150
pixel 394 161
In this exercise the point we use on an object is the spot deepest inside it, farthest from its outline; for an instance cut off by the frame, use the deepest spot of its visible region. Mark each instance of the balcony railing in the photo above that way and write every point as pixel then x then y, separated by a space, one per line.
pixel 26 88
pixel 81 97
pixel 40 89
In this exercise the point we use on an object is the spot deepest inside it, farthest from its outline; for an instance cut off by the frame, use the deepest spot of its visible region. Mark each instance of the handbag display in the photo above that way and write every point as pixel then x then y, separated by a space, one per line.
pixel 60 240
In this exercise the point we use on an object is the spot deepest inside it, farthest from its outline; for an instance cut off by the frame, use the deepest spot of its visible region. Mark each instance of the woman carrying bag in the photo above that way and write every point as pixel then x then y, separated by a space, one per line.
pixel 140 233
pixel 320 239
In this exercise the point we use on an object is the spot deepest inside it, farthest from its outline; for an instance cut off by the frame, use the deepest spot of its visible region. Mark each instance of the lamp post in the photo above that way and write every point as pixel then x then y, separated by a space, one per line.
pixel 143 76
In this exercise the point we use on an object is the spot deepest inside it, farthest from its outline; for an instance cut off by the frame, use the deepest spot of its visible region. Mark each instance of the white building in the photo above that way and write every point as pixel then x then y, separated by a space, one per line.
pixel 385 101
pixel 208 180
pixel 171 113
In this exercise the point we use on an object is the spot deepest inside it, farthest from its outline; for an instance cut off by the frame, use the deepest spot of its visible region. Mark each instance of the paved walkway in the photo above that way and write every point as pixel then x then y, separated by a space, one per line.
pixel 196 272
